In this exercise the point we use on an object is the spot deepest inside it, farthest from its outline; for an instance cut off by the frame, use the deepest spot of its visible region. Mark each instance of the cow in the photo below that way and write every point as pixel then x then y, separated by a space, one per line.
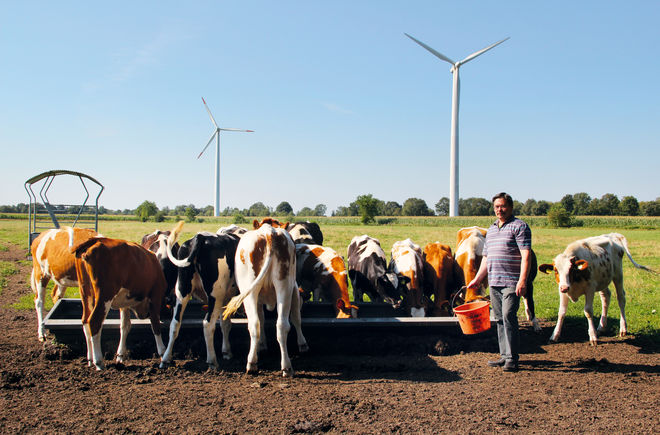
pixel 469 253
pixel 117 274
pixel 367 270
pixel 51 259
pixel 321 272
pixel 301 232
pixel 407 260
pixel 266 274
pixel 156 242
pixel 233 229
pixel 588 266
pixel 205 262
pixel 442 277
pixel 305 232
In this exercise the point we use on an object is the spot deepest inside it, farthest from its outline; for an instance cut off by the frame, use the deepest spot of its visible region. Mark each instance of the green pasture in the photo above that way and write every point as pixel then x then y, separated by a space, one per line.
pixel 643 234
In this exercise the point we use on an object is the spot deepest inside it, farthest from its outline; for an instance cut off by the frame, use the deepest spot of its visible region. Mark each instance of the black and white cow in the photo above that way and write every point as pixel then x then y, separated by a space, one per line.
pixel 588 266
pixel 156 242
pixel 233 229
pixel 206 261
pixel 367 270
pixel 305 232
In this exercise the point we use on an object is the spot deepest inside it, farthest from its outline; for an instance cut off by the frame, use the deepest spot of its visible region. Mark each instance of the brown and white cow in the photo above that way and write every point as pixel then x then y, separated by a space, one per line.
pixel 442 277
pixel 469 252
pixel 408 261
pixel 588 266
pixel 51 259
pixel 321 272
pixel 117 274
pixel 265 266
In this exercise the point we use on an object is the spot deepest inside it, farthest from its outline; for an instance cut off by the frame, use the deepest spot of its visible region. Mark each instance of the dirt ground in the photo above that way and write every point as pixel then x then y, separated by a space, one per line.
pixel 385 384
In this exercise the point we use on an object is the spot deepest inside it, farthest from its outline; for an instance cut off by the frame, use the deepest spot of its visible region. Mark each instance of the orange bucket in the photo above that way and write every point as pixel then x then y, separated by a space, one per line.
pixel 473 317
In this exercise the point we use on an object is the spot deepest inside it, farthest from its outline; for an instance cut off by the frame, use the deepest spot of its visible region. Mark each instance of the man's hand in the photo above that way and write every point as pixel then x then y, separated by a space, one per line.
pixel 521 288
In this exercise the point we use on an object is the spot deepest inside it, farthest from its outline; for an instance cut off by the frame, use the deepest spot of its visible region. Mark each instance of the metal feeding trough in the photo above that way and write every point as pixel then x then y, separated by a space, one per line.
pixel 63 321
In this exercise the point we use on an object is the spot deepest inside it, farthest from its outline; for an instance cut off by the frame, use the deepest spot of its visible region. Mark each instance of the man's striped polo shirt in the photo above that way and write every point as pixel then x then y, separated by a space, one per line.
pixel 503 246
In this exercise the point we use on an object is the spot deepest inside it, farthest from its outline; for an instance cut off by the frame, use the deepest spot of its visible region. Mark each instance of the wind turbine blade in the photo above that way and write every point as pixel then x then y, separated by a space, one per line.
pixel 434 52
pixel 210 115
pixel 473 55
pixel 236 129
pixel 209 143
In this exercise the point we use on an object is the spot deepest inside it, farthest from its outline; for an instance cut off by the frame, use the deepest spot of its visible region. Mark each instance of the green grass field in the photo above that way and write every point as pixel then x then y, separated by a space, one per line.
pixel 642 288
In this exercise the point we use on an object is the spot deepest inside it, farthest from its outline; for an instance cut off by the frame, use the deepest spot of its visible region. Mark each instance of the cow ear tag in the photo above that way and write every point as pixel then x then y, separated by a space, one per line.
pixel 581 264
pixel 340 304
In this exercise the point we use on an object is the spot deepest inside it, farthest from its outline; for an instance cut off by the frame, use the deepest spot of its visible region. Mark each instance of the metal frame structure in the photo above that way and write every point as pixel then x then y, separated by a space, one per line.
pixel 39 212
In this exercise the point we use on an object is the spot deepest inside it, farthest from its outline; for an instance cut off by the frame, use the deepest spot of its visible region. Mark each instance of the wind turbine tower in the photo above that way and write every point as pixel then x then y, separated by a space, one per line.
pixel 216 136
pixel 453 166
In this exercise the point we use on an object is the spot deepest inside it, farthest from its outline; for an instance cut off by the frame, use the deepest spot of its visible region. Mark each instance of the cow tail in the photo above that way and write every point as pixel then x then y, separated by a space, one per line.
pixel 624 243
pixel 236 302
pixel 171 240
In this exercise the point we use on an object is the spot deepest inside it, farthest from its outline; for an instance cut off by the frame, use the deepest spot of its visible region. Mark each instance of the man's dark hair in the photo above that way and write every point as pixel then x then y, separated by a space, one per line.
pixel 505 196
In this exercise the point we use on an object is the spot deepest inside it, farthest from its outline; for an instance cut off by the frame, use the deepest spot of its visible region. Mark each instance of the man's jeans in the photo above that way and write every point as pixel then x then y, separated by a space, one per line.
pixel 505 307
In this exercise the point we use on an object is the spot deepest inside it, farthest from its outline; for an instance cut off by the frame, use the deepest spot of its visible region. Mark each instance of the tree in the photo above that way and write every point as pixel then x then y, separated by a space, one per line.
pixel 442 207
pixel 581 203
pixel 391 208
pixel 558 216
pixel 305 211
pixel 629 206
pixel 541 208
pixel 368 207
pixel 146 210
pixel 651 208
pixel 191 213
pixel 528 207
pixel 258 209
pixel 597 208
pixel 568 203
pixel 517 207
pixel 416 207
pixel 320 210
pixel 474 207
pixel 283 208
pixel 610 203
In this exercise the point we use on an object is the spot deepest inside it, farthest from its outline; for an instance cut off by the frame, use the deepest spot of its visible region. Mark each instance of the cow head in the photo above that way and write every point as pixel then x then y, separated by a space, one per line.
pixel 346 311
pixel 270 221
pixel 391 287
pixel 568 271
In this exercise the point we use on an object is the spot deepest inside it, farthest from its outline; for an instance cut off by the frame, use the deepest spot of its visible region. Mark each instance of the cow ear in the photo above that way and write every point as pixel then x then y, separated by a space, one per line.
pixel 340 304
pixel 255 224
pixel 546 268
pixel 581 264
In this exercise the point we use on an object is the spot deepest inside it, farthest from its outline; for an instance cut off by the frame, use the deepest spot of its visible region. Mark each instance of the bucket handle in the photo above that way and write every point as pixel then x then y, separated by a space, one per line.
pixel 453 299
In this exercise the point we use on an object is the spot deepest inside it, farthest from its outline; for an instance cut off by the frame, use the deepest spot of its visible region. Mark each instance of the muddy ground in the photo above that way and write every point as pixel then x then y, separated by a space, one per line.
pixel 366 384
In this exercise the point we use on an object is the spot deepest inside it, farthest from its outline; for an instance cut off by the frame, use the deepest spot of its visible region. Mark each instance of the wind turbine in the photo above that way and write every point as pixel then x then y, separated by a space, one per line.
pixel 216 136
pixel 453 165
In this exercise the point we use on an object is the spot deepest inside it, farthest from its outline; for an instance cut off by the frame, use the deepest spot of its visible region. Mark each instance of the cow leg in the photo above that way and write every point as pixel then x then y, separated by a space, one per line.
pixel 95 326
pixel 283 327
pixel 530 311
pixel 262 344
pixel 589 314
pixel 621 300
pixel 605 296
pixel 125 327
pixel 296 319
pixel 39 288
pixel 209 324
pixel 254 328
pixel 561 314
pixel 175 325
pixel 225 327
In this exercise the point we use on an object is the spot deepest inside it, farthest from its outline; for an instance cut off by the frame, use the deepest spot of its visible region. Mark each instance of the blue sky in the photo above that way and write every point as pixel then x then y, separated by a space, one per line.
pixel 341 102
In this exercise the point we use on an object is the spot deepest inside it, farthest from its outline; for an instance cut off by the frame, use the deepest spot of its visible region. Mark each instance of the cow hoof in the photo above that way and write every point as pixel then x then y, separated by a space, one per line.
pixel 303 348
pixel 227 355
pixel 623 333
pixel 252 370
pixel 119 359
pixel 165 364
pixel 287 373
pixel 99 367
pixel 593 342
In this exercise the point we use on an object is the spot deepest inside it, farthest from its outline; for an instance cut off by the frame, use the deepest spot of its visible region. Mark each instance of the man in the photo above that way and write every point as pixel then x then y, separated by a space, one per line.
pixel 506 262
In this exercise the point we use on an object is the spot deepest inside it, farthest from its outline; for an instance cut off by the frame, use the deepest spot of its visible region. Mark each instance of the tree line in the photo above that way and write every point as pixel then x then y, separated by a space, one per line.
pixel 366 206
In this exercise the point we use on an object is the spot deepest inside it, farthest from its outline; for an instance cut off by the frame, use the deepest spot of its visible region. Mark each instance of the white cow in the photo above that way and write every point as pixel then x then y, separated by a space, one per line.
pixel 588 266
pixel 265 267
